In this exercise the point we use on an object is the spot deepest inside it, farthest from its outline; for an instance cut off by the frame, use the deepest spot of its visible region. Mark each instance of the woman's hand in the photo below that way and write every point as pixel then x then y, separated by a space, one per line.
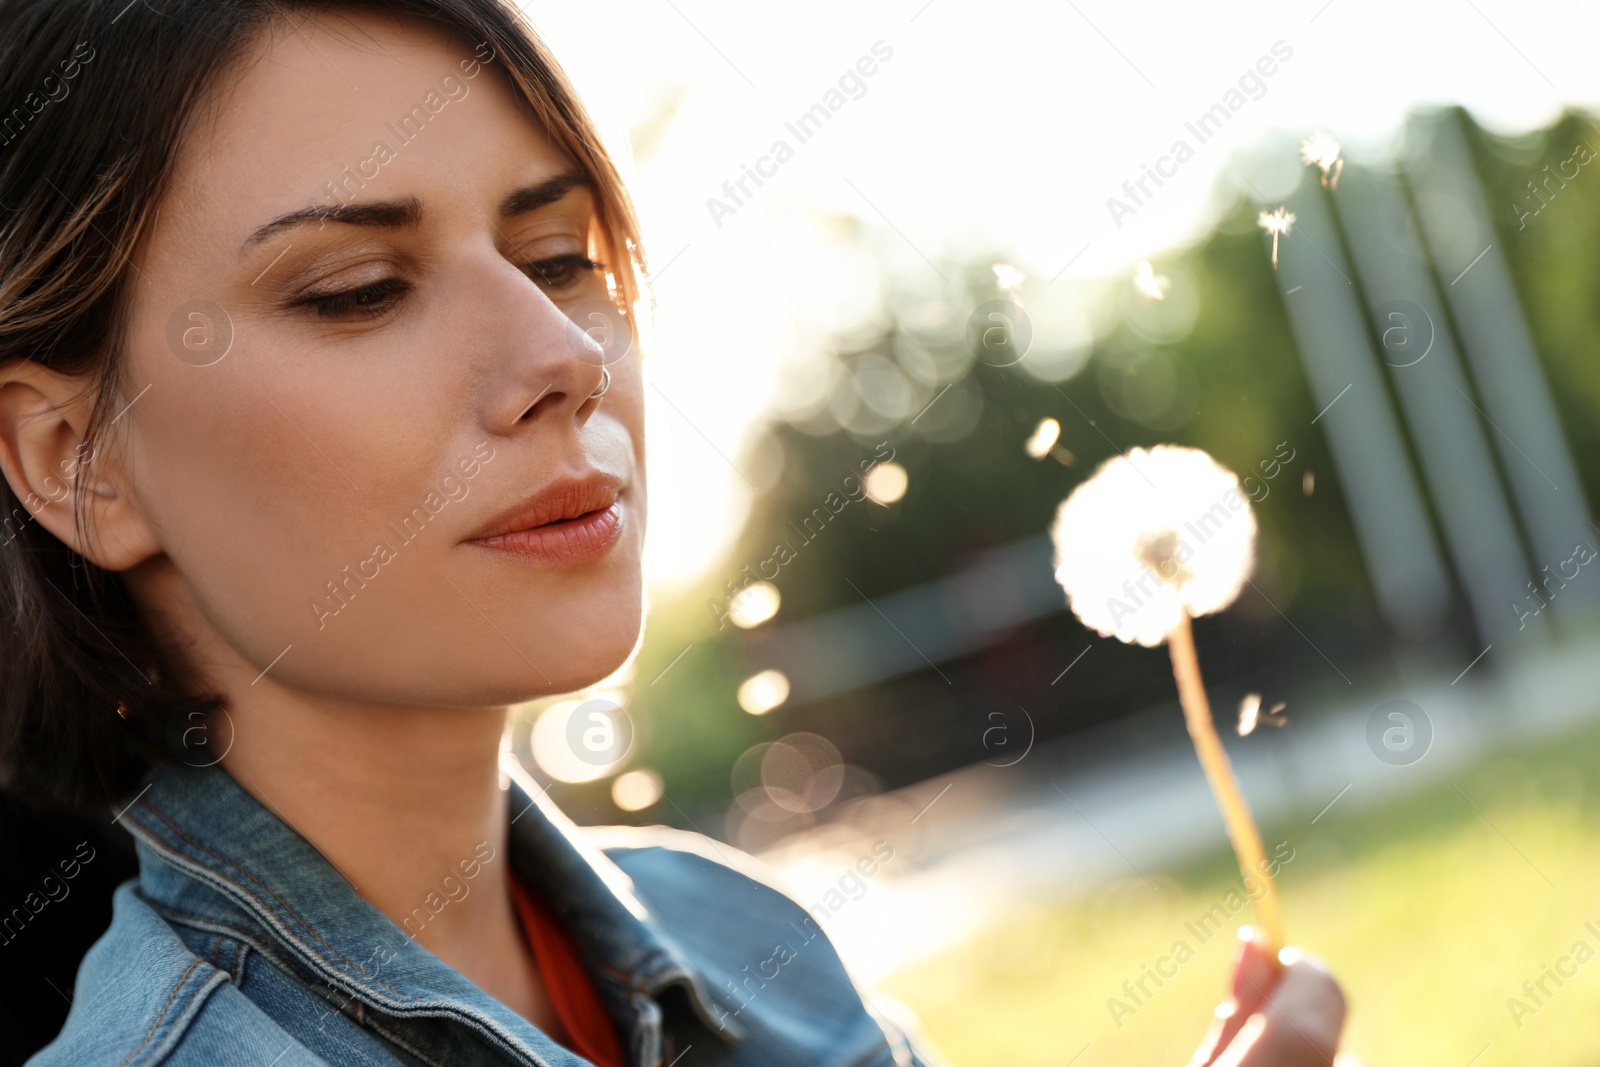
pixel 1286 1012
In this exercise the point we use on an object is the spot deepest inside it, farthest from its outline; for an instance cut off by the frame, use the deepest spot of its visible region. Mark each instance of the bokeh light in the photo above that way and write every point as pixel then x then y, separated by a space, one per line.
pixel 636 790
pixel 760 693
pixel 886 483
pixel 552 749
pixel 754 605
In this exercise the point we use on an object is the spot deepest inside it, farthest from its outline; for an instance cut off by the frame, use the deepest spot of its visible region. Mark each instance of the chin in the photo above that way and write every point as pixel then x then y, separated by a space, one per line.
pixel 578 645
pixel 572 669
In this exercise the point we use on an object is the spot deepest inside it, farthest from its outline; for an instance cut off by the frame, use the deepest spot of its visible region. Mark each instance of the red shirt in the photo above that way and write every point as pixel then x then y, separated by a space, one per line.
pixel 590 1032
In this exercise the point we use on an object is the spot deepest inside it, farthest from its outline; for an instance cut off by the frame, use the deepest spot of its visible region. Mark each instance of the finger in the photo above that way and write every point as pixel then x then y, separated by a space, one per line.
pixel 1301 1019
pixel 1241 1051
pixel 1308 995
pixel 1247 1052
pixel 1224 1023
pixel 1255 974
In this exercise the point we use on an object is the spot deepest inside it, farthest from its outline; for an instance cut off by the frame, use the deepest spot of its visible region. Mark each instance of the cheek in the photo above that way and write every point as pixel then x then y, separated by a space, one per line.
pixel 275 487
pixel 270 484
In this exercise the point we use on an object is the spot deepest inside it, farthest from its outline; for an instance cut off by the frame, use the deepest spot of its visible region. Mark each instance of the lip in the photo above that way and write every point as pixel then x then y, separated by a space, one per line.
pixel 571 521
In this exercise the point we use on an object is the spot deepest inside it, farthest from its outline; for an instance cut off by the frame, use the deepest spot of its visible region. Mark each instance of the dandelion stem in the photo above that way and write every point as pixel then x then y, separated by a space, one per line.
pixel 1219 772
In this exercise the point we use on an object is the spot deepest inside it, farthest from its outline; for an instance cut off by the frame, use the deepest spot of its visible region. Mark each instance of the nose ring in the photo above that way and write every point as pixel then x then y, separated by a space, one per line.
pixel 605 384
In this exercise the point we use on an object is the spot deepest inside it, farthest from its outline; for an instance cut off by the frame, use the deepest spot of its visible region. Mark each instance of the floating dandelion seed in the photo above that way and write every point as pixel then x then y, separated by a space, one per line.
pixel 1250 714
pixel 1276 223
pixel 1044 438
pixel 1149 283
pixel 1323 150
pixel 1154 538
pixel 1007 277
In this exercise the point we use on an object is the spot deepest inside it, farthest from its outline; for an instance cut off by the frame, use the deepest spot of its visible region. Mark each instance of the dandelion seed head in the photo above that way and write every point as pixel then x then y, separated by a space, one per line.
pixel 1152 535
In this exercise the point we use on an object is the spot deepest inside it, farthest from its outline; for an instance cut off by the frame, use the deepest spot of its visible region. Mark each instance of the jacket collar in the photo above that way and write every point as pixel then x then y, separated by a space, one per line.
pixel 598 904
pixel 204 827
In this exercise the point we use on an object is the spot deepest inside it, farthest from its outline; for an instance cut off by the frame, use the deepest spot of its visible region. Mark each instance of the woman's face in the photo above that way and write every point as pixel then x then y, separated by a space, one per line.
pixel 397 379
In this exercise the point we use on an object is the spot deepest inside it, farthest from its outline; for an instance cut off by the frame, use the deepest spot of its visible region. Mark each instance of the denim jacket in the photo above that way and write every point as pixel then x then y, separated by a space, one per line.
pixel 240 944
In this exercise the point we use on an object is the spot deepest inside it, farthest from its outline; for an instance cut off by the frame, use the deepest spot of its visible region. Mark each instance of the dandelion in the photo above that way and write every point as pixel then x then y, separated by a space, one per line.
pixel 1007 277
pixel 1149 283
pixel 1152 537
pixel 1323 150
pixel 1276 223
pixel 1151 540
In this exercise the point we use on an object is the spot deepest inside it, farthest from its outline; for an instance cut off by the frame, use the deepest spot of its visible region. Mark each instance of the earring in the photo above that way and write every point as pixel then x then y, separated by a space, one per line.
pixel 605 384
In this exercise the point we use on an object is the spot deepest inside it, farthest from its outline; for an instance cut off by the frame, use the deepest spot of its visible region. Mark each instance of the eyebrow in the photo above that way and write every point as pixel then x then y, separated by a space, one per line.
pixel 407 213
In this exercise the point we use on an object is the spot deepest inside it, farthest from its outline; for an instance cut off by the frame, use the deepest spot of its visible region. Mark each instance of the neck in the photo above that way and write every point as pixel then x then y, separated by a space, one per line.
pixel 404 801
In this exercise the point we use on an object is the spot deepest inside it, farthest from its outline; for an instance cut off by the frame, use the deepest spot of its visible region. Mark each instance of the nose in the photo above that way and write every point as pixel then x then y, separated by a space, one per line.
pixel 545 368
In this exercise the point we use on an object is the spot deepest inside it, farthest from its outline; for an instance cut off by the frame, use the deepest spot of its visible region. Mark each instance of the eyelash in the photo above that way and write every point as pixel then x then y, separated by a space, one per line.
pixel 370 301
pixel 571 262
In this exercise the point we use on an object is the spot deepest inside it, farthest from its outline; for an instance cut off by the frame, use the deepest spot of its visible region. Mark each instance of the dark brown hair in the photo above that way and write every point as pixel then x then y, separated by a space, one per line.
pixel 96 96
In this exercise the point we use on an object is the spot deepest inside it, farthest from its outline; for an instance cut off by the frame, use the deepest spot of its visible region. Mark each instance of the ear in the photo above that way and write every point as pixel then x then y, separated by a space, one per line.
pixel 43 453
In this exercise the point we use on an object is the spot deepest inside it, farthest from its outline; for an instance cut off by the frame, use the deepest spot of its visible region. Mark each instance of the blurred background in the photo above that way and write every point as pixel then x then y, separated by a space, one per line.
pixel 921 268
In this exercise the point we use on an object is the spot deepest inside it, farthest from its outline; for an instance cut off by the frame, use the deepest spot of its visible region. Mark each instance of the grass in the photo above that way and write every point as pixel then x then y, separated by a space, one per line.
pixel 1432 910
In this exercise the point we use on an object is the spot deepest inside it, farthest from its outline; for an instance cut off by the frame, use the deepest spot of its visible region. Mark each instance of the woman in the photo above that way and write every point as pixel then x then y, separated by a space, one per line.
pixel 311 477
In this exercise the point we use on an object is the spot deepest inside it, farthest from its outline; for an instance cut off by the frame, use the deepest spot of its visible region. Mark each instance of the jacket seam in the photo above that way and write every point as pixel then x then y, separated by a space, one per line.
pixel 203 923
pixel 188 1010
pixel 184 977
pixel 340 1005
pixel 362 1017
pixel 263 943
pixel 268 889
pixel 391 1035
pixel 246 940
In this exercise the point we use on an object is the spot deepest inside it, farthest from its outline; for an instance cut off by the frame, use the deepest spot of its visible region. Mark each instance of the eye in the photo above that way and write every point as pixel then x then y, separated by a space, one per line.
pixel 561 273
pixel 564 272
pixel 365 302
